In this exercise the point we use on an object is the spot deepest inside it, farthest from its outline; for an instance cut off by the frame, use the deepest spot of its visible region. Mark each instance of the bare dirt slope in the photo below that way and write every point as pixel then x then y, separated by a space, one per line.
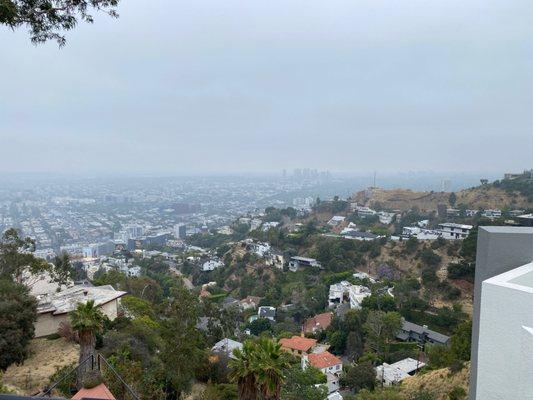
pixel 439 382
pixel 486 197
pixel 400 199
pixel 489 197
pixel 46 356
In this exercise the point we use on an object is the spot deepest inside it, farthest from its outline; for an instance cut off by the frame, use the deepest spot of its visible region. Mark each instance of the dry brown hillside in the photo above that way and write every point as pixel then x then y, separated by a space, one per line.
pixel 485 197
pixel 46 356
pixel 400 199
pixel 491 197
pixel 392 254
pixel 439 382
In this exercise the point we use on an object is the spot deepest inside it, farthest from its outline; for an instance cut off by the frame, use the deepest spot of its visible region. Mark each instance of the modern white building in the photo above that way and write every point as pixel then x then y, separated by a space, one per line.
pixel 420 233
pixel 492 214
pixel 454 231
pixel 296 262
pixel 211 265
pixel 180 231
pixel 345 291
pixel 386 218
pixel 357 294
pixel 364 212
pixel 505 350
pixel 502 322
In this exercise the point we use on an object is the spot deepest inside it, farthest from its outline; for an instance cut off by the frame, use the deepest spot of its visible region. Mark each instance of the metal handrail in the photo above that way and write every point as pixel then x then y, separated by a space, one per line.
pixel 117 375
pixel 48 391
pixel 99 358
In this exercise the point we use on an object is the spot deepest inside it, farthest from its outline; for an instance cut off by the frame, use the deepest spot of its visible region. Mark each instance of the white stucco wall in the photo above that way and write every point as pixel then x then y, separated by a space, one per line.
pixel 505 352
pixel 48 324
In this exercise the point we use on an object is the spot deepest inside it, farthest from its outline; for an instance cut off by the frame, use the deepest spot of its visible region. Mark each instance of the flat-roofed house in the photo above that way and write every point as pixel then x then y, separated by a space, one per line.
pixel 393 374
pixel 53 308
pixel 454 231
pixel 296 262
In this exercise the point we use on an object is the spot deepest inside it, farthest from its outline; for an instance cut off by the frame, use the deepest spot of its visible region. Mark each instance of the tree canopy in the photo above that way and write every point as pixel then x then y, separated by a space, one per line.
pixel 18 311
pixel 48 19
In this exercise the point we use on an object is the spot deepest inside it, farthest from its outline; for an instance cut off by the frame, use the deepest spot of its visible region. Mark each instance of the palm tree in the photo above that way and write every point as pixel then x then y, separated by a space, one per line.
pixel 243 371
pixel 258 370
pixel 86 320
pixel 272 362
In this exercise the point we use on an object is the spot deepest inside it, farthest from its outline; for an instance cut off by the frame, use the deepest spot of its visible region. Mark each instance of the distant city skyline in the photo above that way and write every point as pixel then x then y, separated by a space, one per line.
pixel 237 87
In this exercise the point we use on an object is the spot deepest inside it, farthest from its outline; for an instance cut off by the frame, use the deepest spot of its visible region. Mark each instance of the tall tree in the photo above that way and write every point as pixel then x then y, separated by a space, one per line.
pixel 16 257
pixel 47 19
pixel 360 376
pixel 300 384
pixel 182 348
pixel 381 327
pixel 87 320
pixel 18 312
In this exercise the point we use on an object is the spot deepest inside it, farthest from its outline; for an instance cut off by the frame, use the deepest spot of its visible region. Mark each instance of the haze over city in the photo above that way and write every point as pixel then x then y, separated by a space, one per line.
pixel 188 87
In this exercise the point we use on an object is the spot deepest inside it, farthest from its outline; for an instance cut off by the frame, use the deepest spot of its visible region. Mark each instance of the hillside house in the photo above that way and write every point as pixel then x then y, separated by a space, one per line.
pixel 393 374
pixel 54 308
pixel 411 332
pixel 297 262
pixel 318 323
pixel 267 312
pixel 336 220
pixel 454 231
pixel 328 364
pixel 344 291
pixel 297 345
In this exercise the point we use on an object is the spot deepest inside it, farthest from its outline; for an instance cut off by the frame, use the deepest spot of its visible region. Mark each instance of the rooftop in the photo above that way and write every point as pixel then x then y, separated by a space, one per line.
pixel 520 278
pixel 454 225
pixel 68 299
pixel 298 343
pixel 226 346
pixel 321 321
pixel 100 392
pixel 323 360
pixel 412 327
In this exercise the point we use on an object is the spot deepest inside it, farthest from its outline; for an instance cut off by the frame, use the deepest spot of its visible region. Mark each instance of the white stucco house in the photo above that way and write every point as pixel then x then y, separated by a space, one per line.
pixel 54 308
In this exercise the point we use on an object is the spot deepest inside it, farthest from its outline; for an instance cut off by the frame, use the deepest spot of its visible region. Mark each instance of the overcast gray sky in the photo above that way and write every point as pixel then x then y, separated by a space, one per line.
pixel 205 86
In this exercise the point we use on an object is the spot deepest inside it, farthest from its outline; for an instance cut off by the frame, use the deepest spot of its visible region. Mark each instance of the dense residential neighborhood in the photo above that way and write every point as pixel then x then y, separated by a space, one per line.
pixel 342 318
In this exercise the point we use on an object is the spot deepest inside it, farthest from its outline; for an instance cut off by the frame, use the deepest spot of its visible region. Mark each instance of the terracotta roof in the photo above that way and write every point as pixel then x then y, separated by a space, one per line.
pixel 98 392
pixel 320 321
pixel 298 343
pixel 323 360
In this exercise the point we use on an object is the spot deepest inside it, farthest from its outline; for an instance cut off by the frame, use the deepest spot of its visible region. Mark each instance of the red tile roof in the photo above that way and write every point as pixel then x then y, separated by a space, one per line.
pixel 98 392
pixel 298 343
pixel 320 321
pixel 323 360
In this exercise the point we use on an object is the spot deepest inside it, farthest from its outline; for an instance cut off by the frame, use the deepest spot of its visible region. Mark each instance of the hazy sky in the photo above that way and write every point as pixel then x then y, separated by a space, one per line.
pixel 203 86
